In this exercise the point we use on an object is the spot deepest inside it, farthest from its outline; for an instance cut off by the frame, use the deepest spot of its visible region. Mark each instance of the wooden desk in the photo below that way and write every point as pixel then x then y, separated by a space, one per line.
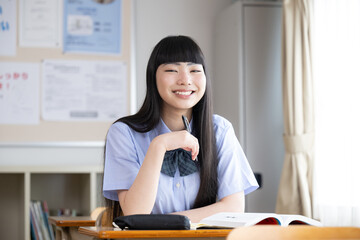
pixel 297 232
pixel 243 233
pixel 66 228
pixel 106 233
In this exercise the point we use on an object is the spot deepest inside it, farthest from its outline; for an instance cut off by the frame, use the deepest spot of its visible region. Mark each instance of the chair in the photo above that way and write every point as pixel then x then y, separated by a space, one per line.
pixel 101 215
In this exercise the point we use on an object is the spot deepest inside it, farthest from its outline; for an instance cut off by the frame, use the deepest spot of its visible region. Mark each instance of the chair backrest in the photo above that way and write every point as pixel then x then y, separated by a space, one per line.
pixel 101 215
pixel 293 233
pixel 96 212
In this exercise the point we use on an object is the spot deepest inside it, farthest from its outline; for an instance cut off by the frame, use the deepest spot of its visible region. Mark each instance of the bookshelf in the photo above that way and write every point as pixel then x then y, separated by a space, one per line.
pixel 12 205
pixel 64 182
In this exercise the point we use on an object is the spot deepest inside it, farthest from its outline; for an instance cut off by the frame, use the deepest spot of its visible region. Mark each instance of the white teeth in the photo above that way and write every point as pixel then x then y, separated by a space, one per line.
pixel 183 93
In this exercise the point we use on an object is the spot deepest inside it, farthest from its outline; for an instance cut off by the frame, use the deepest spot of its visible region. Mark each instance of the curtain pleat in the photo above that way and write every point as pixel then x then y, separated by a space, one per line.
pixel 295 189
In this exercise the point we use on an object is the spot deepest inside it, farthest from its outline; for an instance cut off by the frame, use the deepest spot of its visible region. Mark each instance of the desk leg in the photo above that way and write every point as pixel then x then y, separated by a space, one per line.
pixel 57 233
pixel 62 233
pixel 75 235
pixel 70 233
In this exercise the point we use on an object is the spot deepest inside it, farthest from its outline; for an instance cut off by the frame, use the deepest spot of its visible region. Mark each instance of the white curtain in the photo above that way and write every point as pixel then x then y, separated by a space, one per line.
pixel 337 112
pixel 295 189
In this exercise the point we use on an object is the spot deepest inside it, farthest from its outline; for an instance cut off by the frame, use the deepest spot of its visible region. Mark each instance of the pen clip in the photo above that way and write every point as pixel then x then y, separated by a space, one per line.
pixel 186 123
pixel 187 126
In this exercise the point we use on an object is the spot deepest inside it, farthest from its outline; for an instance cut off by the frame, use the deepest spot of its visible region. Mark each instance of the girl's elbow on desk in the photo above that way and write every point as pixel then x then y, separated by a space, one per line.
pixel 131 208
pixel 234 202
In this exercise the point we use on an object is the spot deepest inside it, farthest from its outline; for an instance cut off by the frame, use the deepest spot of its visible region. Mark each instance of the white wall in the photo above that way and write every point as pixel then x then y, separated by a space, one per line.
pixel 157 19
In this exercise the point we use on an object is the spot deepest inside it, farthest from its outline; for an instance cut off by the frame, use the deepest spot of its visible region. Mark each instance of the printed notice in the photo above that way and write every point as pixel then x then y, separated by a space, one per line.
pixel 19 93
pixel 84 90
pixel 39 23
pixel 92 26
pixel 8 28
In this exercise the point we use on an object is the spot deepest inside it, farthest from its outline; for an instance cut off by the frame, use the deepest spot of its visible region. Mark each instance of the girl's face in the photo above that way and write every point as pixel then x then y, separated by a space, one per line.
pixel 181 85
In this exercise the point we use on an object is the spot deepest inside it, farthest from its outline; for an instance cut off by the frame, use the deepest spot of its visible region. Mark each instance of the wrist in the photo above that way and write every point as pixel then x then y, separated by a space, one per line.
pixel 157 145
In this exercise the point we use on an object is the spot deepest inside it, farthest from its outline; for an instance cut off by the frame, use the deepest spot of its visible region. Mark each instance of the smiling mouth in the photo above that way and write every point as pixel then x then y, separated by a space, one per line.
pixel 184 93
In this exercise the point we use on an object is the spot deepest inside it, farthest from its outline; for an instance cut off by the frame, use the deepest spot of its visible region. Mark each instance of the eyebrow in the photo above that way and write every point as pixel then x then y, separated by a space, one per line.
pixel 187 63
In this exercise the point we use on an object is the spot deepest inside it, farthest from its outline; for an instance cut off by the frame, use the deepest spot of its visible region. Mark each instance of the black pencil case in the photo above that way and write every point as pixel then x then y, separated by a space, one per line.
pixel 153 222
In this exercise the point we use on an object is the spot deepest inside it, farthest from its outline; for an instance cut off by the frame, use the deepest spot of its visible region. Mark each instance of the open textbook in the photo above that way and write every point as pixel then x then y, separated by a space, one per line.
pixel 234 219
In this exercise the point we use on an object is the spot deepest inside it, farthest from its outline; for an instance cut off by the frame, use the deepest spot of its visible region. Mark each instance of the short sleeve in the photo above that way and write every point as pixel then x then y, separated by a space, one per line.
pixel 121 161
pixel 234 172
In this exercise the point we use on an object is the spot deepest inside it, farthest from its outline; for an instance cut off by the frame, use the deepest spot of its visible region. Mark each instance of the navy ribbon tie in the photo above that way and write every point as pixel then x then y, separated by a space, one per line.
pixel 178 158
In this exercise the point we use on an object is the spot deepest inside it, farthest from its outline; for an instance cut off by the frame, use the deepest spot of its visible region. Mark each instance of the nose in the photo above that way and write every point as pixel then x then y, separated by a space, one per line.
pixel 184 78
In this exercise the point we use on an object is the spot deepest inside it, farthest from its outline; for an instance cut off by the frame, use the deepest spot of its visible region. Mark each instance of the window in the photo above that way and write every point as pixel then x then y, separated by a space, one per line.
pixel 337 111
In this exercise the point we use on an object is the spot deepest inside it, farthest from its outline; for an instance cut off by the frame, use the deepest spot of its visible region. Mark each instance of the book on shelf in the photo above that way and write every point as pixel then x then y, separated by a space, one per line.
pixel 39 224
pixel 234 219
pixel 47 223
pixel 34 228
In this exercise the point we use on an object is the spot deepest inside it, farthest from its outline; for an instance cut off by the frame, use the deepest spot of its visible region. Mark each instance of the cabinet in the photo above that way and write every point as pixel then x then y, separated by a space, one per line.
pixel 56 174
pixel 247 89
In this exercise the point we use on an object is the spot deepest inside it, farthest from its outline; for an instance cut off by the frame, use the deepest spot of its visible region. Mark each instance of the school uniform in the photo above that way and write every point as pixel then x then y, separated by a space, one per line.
pixel 126 149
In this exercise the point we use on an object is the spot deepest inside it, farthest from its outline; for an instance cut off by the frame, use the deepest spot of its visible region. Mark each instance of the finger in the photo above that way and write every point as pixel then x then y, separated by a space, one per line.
pixel 188 149
pixel 193 153
pixel 192 150
pixel 196 149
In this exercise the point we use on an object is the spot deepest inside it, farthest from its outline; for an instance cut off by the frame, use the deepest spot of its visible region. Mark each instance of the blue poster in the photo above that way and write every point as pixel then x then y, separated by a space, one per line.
pixel 92 26
pixel 8 28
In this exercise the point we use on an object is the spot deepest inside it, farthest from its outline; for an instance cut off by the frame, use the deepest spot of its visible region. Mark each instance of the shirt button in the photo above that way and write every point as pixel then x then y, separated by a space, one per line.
pixel 178 185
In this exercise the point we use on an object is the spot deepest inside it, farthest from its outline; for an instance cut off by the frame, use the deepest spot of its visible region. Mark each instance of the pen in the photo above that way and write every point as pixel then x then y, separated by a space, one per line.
pixel 187 126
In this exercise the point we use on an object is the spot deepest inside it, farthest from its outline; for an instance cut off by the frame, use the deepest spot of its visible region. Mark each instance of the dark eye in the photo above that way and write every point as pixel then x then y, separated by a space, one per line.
pixel 170 70
pixel 195 71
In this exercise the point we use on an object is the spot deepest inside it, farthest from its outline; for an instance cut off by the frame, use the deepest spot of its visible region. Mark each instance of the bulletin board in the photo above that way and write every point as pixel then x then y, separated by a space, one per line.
pixel 66 131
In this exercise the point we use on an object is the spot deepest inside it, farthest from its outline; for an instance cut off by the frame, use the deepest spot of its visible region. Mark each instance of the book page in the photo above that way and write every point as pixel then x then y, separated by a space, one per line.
pixel 233 219
pixel 290 219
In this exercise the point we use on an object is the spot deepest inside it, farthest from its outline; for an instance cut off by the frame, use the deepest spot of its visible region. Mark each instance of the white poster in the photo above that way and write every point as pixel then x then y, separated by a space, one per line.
pixel 8 27
pixel 84 90
pixel 40 23
pixel 19 93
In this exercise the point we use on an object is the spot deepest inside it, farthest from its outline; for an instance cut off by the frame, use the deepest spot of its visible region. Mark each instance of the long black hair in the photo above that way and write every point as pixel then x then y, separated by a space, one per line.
pixel 180 49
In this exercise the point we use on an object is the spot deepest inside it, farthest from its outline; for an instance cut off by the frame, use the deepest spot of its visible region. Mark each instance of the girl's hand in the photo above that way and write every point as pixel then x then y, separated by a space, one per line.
pixel 140 197
pixel 179 139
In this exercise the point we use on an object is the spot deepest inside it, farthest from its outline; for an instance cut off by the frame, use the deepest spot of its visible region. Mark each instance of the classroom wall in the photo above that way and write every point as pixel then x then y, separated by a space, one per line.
pixel 72 142
pixel 156 19
pixel 151 21
pixel 72 129
pixel 247 89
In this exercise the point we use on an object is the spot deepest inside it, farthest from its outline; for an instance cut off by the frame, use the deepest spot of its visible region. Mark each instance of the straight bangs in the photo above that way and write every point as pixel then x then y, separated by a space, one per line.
pixel 179 49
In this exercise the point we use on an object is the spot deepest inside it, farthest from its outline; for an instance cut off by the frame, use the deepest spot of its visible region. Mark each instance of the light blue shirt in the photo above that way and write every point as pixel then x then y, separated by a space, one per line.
pixel 126 149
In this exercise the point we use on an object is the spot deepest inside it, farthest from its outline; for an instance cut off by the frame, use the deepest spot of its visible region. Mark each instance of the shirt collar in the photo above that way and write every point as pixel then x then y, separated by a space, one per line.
pixel 161 127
